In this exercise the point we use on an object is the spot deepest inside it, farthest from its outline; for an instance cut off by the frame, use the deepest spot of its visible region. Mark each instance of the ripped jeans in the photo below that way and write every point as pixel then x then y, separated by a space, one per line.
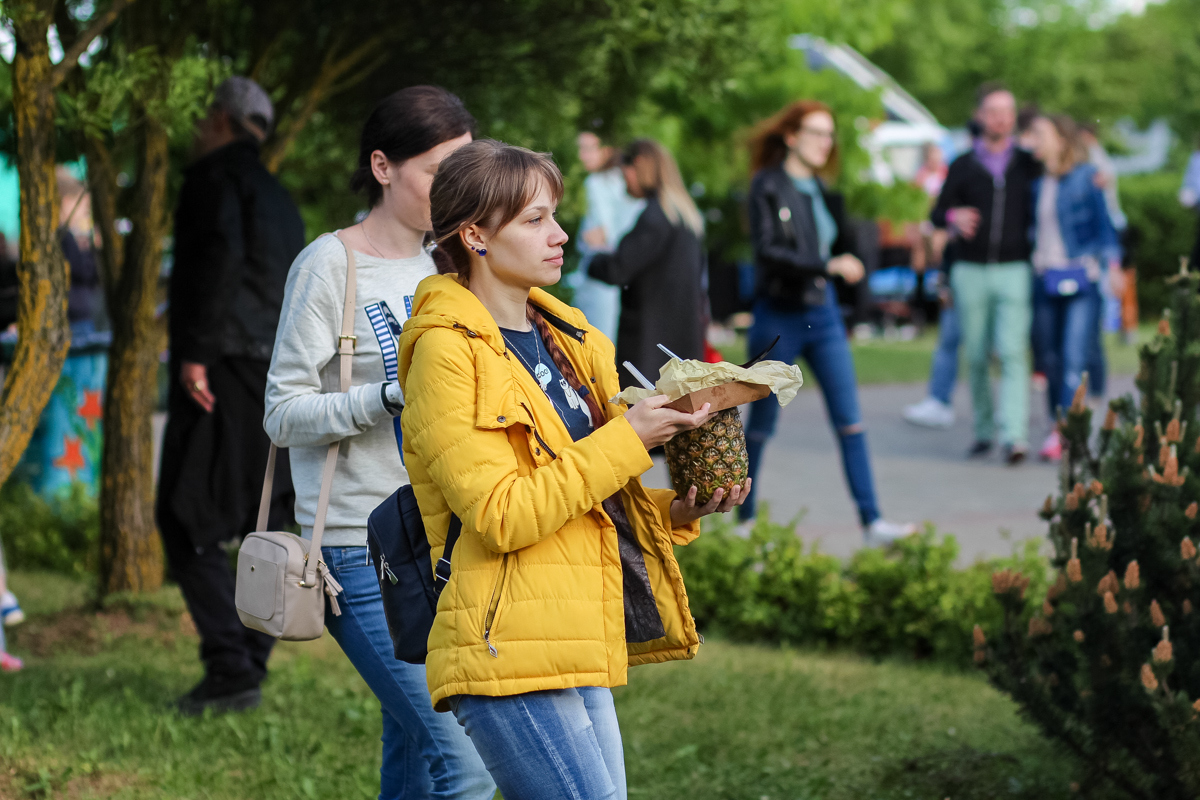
pixel 817 334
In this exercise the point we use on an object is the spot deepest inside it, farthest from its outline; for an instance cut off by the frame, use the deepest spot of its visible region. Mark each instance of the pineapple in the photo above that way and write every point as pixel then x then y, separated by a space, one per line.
pixel 710 457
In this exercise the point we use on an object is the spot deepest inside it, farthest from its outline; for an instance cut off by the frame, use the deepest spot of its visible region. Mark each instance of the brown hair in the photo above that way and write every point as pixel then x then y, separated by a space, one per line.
pixel 488 183
pixel 767 146
pixel 1074 152
pixel 989 88
pixel 658 176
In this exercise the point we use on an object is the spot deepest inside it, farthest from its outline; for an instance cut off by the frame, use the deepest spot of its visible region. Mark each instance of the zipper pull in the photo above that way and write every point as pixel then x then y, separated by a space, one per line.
pixel 384 569
pixel 491 647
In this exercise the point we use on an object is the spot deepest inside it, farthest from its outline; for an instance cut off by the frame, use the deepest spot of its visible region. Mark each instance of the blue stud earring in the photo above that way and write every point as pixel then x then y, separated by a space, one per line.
pixel 483 251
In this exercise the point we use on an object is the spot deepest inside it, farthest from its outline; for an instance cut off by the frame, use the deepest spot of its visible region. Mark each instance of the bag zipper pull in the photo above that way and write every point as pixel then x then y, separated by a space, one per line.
pixel 384 569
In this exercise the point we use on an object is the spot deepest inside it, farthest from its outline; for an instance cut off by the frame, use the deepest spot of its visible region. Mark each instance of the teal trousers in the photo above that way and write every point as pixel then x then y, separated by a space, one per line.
pixel 995 311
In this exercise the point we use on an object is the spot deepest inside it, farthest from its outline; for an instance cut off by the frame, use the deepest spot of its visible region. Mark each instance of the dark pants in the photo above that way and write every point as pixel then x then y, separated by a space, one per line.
pixel 818 334
pixel 209 487
pixel 230 651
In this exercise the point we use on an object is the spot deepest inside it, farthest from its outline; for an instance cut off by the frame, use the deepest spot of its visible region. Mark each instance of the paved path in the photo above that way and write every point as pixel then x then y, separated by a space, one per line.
pixel 920 475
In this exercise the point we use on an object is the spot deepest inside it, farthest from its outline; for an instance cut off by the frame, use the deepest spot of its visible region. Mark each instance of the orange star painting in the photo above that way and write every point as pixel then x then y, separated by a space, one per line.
pixel 91 410
pixel 72 458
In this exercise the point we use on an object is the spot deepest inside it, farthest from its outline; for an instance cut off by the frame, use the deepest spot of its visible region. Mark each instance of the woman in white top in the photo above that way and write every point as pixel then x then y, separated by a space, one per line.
pixel 425 754
pixel 611 213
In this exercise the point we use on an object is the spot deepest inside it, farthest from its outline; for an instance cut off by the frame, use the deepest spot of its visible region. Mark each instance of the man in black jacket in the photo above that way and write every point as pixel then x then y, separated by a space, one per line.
pixel 985 202
pixel 236 234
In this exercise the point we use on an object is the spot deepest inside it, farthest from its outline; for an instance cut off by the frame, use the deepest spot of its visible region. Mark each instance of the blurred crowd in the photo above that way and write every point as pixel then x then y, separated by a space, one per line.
pixel 1024 246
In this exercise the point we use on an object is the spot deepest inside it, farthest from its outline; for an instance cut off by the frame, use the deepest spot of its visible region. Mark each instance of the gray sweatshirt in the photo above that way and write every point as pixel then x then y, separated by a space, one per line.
pixel 305 411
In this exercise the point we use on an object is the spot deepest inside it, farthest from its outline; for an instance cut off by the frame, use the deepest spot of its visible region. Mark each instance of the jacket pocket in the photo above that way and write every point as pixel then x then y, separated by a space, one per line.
pixel 493 611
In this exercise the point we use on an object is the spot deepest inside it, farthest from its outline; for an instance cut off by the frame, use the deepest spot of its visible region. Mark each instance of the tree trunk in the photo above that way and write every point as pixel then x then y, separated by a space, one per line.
pixel 131 553
pixel 44 335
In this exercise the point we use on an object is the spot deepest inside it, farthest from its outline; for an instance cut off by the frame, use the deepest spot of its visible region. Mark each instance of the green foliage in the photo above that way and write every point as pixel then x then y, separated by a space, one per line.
pixel 172 90
pixel 1110 664
pixel 1165 231
pixel 87 718
pixel 61 536
pixel 909 599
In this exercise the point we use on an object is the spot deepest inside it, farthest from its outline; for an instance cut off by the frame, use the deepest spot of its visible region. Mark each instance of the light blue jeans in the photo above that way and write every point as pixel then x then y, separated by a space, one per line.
pixel 944 371
pixel 562 744
pixel 425 754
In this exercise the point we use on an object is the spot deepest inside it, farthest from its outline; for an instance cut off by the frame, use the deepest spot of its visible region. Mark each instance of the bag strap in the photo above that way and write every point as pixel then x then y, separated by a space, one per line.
pixel 441 572
pixel 346 343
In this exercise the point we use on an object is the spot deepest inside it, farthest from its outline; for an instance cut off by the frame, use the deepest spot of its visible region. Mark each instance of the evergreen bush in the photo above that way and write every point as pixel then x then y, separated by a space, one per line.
pixel 1109 662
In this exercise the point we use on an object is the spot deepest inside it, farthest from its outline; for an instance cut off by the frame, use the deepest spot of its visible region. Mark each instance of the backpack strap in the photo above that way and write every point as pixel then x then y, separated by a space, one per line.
pixel 441 572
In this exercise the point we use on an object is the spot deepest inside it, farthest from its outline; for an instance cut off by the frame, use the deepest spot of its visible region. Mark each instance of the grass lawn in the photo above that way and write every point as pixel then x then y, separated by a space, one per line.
pixel 883 361
pixel 88 718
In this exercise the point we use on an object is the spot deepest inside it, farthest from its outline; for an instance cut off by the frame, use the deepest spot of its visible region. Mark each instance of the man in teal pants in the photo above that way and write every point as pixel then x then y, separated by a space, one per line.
pixel 985 203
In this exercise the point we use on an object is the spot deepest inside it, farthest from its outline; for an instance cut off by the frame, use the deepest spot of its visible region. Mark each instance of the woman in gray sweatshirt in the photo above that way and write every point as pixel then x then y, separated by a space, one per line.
pixel 425 754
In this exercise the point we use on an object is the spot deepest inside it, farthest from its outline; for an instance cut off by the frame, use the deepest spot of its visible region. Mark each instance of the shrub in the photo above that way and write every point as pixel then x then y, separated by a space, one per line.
pixel 1162 231
pixel 1110 663
pixel 61 536
pixel 908 599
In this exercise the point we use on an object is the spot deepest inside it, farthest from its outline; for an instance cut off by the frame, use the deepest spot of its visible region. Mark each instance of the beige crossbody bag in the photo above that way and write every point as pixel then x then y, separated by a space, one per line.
pixel 281 589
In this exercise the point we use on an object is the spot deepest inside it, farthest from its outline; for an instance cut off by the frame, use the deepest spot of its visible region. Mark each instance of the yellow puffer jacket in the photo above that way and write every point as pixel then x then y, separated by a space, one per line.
pixel 536 598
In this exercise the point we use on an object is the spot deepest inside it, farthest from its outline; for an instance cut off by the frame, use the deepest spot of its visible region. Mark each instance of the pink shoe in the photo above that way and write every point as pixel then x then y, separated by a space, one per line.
pixel 1052 447
pixel 10 663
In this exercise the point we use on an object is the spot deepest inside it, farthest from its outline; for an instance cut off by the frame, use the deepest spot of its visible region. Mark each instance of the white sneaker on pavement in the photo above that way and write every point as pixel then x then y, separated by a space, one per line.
pixel 881 531
pixel 930 413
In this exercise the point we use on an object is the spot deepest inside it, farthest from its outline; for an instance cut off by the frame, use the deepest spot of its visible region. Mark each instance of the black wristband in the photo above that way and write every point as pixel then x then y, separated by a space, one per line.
pixel 388 405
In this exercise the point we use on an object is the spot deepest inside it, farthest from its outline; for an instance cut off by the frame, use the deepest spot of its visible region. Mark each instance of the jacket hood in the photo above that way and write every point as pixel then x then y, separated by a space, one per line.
pixel 443 302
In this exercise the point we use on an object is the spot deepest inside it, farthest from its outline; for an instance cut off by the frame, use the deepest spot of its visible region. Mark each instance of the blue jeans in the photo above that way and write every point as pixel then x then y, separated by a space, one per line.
pixel 944 371
pixel 425 754
pixel 562 744
pixel 818 334
pixel 1097 363
pixel 1064 332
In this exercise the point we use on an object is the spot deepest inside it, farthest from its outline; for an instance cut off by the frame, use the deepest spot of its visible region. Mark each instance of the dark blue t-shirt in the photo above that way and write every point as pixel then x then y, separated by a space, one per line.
pixel 531 351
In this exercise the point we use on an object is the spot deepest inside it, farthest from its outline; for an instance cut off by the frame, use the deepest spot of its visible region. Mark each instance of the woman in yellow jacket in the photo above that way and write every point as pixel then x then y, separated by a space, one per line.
pixel 564 574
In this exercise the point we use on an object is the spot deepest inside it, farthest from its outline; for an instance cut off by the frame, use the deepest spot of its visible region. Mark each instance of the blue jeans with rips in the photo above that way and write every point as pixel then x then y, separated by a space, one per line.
pixel 818 334
pixel 425 754
pixel 561 744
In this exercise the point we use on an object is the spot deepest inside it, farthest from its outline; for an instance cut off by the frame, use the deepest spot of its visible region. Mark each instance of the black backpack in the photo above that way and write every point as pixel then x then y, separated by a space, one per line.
pixel 409 586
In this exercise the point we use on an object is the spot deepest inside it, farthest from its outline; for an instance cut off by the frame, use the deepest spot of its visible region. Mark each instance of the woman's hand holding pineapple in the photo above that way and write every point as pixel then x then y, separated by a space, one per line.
pixel 685 510
pixel 655 425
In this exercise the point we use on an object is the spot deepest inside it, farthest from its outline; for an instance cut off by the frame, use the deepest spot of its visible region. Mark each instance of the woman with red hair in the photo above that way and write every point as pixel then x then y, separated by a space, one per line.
pixel 801 243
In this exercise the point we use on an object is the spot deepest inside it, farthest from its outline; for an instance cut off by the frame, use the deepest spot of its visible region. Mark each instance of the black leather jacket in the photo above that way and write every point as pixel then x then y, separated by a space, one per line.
pixel 783 231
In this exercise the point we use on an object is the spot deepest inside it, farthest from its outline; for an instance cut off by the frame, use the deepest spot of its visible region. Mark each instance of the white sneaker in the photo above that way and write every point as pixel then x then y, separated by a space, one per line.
pixel 881 531
pixel 10 611
pixel 930 413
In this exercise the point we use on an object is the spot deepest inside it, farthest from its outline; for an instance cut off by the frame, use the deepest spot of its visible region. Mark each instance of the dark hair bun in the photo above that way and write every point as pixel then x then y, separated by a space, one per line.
pixel 405 124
